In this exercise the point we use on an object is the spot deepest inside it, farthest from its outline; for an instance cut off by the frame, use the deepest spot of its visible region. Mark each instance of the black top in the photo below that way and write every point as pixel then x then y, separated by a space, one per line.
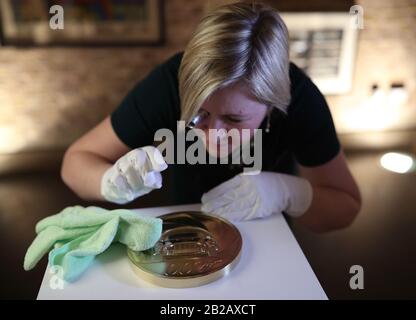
pixel 306 133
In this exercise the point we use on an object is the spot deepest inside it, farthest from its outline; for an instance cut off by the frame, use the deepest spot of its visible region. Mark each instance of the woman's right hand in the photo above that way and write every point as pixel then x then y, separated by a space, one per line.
pixel 133 175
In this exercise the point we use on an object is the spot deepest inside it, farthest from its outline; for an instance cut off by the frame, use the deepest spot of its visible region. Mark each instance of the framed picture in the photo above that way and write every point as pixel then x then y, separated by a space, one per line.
pixel 84 22
pixel 324 46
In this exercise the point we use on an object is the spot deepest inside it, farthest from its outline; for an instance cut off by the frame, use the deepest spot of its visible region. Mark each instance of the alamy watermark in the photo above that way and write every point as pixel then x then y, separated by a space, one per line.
pixel 56 281
pixel 358 12
pixel 357 280
pixel 241 147
pixel 57 22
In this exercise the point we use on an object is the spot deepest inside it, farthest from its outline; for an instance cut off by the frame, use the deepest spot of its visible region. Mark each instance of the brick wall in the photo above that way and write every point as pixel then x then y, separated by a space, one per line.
pixel 385 55
pixel 50 96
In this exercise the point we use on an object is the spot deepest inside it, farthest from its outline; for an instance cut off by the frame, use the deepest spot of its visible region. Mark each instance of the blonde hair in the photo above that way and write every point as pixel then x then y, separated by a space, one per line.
pixel 236 42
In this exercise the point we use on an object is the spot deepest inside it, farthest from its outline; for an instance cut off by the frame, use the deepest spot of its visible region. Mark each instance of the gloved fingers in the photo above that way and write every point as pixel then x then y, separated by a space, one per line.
pixel 232 213
pixel 237 209
pixel 155 159
pixel 119 184
pixel 137 158
pixel 144 162
pixel 139 171
pixel 221 189
pixel 114 195
pixel 237 194
pixel 246 209
pixel 220 201
pixel 152 180
pixel 253 211
pixel 132 177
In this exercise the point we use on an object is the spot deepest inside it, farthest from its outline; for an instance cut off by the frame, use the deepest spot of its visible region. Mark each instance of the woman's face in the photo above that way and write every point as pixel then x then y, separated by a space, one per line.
pixel 232 107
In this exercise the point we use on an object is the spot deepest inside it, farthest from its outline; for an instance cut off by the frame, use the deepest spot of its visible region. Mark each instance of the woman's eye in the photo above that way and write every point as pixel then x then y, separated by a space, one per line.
pixel 235 120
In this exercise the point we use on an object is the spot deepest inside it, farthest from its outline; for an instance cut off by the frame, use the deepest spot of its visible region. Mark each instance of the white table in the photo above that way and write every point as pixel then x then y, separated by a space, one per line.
pixel 272 266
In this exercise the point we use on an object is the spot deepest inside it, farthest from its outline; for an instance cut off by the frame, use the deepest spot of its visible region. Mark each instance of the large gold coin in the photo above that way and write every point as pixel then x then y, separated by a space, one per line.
pixel 195 248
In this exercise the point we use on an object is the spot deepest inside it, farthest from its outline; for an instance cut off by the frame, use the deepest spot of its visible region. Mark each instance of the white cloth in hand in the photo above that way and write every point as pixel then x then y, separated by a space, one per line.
pixel 247 197
pixel 133 175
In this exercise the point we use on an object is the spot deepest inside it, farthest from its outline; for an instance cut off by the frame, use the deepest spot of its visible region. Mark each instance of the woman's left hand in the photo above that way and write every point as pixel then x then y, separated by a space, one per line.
pixel 247 197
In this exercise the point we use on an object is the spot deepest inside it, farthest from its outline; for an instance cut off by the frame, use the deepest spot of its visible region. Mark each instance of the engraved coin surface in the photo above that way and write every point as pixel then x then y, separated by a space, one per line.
pixel 195 248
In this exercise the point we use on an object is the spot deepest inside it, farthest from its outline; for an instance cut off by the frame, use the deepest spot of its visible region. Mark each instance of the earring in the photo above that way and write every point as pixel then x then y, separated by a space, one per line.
pixel 269 113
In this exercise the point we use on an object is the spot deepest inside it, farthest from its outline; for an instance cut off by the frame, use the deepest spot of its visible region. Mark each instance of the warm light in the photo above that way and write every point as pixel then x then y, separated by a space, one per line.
pixel 397 162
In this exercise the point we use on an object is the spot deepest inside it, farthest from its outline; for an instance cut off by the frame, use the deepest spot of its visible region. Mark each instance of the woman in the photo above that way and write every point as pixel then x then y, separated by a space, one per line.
pixel 234 74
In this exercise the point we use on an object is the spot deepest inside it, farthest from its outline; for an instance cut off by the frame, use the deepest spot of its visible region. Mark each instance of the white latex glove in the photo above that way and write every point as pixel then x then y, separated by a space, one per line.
pixel 247 197
pixel 133 175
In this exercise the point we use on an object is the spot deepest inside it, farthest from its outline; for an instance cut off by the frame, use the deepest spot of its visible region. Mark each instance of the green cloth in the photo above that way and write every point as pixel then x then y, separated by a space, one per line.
pixel 78 234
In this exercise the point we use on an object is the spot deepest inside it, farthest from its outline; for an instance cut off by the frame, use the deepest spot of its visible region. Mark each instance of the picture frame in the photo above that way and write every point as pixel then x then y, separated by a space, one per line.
pixel 86 23
pixel 324 45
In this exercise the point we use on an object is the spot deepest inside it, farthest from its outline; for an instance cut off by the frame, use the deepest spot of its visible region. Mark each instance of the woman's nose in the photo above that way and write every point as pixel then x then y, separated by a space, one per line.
pixel 215 123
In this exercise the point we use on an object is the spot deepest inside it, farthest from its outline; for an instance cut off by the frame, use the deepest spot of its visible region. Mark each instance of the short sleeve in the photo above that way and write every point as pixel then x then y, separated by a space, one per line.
pixel 312 133
pixel 152 104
